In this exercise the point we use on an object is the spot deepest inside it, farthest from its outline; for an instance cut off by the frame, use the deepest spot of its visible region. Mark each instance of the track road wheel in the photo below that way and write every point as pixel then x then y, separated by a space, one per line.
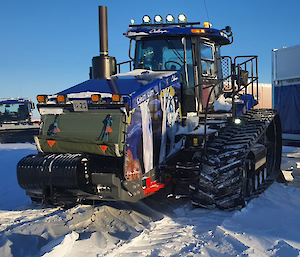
pixel 248 188
pixel 260 177
pixel 265 174
pixel 256 182
pixel 36 200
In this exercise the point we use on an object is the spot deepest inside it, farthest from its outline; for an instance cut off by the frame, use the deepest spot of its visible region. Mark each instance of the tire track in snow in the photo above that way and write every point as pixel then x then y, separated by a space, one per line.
pixel 186 234
pixel 18 218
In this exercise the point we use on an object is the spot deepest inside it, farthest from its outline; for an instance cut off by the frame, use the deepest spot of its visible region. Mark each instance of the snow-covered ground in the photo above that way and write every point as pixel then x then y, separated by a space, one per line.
pixel 267 226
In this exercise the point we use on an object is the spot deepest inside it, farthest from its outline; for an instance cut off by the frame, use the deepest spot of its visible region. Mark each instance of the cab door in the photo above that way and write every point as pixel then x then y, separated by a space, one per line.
pixel 209 71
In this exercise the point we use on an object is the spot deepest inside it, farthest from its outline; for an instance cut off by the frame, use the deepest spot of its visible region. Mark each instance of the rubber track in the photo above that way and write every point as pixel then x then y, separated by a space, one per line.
pixel 219 182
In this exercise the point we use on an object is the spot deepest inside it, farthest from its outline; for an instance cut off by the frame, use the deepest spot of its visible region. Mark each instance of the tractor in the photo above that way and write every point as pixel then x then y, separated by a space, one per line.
pixel 183 119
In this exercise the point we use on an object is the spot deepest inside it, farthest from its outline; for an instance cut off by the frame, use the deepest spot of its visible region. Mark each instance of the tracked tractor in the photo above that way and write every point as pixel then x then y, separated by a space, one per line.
pixel 183 119
pixel 16 123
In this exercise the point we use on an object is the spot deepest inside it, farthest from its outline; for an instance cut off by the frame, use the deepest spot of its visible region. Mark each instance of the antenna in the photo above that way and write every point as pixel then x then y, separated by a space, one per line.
pixel 206 10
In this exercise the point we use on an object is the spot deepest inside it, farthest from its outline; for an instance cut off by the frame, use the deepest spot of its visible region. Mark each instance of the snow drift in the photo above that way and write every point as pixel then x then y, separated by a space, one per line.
pixel 267 226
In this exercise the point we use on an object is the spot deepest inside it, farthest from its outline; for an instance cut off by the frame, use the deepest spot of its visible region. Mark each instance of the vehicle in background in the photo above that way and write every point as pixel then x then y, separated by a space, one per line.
pixel 16 123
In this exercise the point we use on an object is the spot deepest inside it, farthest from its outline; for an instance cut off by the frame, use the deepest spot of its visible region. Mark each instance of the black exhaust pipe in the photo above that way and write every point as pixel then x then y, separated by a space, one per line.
pixel 103 32
pixel 103 66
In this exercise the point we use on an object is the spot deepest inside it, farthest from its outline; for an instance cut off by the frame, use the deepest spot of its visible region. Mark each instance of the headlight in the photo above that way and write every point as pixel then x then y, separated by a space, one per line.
pixel 237 121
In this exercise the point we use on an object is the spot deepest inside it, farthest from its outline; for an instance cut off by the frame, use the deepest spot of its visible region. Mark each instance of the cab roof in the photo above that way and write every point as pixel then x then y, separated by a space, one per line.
pixel 14 100
pixel 220 37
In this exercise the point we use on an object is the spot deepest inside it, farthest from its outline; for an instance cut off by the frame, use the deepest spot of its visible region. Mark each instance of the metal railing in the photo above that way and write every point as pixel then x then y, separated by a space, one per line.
pixel 235 85
pixel 130 62
pixel 252 76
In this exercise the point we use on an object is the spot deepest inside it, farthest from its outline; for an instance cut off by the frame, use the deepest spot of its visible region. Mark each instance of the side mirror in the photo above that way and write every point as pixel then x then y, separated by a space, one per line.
pixel 242 79
pixel 130 44
pixel 228 29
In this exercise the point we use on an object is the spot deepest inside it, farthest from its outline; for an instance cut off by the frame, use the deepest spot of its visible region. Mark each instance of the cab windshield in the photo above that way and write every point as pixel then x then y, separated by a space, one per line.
pixel 13 112
pixel 162 54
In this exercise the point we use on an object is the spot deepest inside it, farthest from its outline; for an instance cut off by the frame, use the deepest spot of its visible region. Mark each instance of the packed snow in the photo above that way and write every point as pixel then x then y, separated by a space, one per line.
pixel 267 226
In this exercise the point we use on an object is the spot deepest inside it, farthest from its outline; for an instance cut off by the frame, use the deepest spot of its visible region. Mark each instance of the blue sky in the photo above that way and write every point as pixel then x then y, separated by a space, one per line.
pixel 47 46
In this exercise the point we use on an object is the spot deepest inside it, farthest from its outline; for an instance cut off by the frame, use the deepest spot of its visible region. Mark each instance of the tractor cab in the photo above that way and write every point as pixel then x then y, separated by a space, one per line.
pixel 16 123
pixel 15 110
pixel 191 50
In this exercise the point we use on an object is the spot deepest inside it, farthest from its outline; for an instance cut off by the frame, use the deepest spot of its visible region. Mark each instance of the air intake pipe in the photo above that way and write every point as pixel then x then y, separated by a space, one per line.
pixel 103 66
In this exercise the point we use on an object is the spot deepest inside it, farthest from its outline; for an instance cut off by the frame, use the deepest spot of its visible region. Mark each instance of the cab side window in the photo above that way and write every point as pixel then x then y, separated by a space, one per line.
pixel 208 66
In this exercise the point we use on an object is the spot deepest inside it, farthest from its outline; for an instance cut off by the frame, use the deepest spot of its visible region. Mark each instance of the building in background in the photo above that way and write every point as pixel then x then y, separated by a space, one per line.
pixel 286 89
pixel 264 97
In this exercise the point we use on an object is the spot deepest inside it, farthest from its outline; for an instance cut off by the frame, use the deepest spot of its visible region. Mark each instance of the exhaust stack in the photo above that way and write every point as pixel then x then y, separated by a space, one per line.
pixel 103 32
pixel 103 66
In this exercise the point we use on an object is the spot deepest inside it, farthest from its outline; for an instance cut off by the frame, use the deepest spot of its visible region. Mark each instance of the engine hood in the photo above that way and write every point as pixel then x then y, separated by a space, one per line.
pixel 124 83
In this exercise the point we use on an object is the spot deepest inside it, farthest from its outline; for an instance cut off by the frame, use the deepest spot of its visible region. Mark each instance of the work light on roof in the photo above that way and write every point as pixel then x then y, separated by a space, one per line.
pixel 146 19
pixel 61 98
pixel 158 19
pixel 207 24
pixel 181 18
pixel 42 98
pixel 95 98
pixel 170 18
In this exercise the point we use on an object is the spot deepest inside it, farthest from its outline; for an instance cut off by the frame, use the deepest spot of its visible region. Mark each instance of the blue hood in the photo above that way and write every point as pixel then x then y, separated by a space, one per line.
pixel 124 84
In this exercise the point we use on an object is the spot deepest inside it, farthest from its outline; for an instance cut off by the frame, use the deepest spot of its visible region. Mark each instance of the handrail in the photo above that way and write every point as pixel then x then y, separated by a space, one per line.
pixel 252 57
pixel 121 63
pixel 251 60
pixel 235 69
